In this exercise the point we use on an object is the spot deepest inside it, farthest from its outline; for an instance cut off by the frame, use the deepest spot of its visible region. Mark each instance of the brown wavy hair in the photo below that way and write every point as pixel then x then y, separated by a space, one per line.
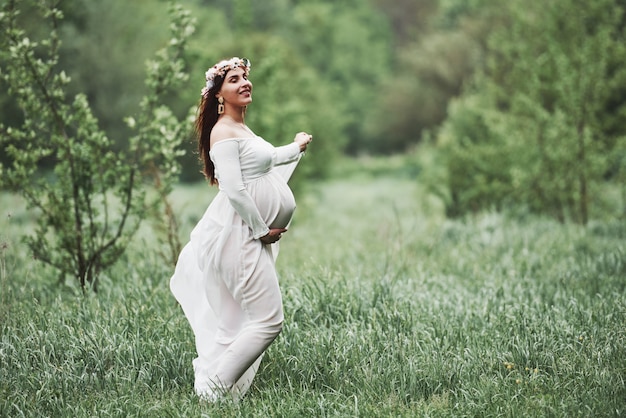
pixel 205 121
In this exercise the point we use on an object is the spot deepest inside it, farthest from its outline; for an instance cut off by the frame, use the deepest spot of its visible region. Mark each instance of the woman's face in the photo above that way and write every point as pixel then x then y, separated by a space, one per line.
pixel 237 89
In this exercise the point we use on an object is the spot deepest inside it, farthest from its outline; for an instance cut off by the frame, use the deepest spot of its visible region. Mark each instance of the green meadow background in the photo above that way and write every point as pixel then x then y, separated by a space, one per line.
pixel 392 310
pixel 459 247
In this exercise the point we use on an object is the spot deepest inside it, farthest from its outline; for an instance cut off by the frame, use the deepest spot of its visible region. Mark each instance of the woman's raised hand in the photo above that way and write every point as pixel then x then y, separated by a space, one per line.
pixel 303 139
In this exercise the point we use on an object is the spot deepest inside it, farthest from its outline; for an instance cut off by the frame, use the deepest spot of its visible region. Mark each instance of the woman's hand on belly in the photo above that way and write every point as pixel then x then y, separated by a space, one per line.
pixel 274 235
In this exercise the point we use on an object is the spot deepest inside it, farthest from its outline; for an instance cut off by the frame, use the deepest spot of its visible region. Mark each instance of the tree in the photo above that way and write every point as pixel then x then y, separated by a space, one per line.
pixel 348 45
pixel 104 49
pixel 95 198
pixel 544 93
pixel 439 45
pixel 414 98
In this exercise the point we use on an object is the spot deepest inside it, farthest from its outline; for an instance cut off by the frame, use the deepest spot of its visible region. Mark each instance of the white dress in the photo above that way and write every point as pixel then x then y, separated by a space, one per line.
pixel 225 278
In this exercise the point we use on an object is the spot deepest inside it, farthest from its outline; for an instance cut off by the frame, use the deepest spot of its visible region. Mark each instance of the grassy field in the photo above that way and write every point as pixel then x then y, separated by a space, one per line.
pixel 392 310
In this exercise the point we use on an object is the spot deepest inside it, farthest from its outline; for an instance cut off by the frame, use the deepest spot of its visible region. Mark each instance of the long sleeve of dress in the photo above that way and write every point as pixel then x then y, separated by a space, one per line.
pixel 287 153
pixel 287 158
pixel 228 172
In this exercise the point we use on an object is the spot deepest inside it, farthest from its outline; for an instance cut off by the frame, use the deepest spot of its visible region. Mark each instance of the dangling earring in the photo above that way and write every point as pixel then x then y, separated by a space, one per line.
pixel 220 106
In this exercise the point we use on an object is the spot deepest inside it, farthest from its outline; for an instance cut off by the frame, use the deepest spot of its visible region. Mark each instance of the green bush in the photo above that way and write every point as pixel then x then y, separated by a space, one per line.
pixel 530 130
pixel 91 203
pixel 477 158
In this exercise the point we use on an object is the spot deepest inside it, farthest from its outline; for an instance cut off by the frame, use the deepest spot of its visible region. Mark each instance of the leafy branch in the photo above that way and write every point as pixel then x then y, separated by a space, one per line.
pixel 92 202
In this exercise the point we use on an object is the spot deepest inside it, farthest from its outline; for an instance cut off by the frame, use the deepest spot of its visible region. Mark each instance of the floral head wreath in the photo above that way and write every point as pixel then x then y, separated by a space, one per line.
pixel 221 68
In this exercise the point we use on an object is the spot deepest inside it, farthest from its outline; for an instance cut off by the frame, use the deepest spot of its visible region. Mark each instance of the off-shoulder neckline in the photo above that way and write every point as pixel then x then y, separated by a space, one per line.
pixel 236 138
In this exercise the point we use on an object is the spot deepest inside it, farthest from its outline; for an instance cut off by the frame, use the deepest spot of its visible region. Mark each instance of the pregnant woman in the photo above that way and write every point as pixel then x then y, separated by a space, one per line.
pixel 225 279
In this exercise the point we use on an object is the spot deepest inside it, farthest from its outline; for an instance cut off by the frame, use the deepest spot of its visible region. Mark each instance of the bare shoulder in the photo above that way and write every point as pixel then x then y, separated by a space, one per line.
pixel 222 131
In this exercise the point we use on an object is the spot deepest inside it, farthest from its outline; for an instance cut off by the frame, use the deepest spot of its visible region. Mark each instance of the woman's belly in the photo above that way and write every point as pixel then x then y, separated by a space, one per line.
pixel 274 200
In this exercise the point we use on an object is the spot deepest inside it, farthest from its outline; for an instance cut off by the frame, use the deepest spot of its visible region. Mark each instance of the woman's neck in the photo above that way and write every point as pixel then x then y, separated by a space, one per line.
pixel 237 123
pixel 235 117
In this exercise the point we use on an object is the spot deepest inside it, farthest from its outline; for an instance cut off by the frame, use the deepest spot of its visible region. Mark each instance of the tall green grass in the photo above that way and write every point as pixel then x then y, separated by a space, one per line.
pixel 391 311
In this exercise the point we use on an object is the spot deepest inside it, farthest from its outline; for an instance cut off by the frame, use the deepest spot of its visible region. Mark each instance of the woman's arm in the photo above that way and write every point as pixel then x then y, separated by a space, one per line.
pixel 291 152
pixel 287 153
pixel 228 171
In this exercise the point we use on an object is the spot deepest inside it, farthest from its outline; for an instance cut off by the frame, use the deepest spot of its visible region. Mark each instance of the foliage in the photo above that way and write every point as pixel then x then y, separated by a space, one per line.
pixel 391 310
pixel 531 130
pixel 343 49
pixel 433 61
pixel 477 158
pixel 427 76
pixel 159 132
pixel 104 48
pixel 349 50
pixel 95 198
pixel 386 73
